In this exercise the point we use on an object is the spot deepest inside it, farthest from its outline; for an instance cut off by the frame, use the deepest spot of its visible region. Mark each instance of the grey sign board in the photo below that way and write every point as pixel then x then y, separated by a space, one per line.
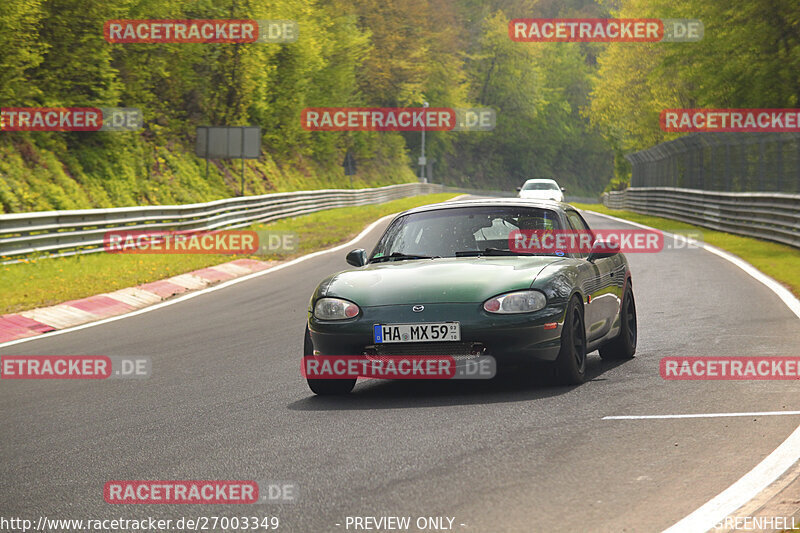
pixel 228 142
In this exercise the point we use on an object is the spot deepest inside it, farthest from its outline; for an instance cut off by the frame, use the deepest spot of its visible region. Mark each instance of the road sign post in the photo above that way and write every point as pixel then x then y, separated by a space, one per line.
pixel 228 142
pixel 349 164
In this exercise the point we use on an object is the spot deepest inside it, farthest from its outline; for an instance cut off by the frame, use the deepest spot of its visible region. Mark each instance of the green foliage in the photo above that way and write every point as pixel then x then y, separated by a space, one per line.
pixel 20 50
pixel 350 53
pixel 570 111
pixel 749 58
pixel 539 91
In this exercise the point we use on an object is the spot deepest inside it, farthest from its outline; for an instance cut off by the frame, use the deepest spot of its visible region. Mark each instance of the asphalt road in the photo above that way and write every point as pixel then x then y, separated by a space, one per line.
pixel 226 401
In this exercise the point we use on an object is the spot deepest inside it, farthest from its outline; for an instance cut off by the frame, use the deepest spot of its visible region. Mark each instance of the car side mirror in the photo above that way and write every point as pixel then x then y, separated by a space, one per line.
pixel 519 189
pixel 603 249
pixel 563 189
pixel 357 257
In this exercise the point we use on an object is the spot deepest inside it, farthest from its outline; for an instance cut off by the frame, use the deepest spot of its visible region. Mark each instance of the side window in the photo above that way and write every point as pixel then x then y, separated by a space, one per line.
pixel 577 224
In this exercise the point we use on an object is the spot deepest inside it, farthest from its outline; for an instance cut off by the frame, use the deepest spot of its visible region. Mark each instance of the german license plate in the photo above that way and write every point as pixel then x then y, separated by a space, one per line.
pixel 428 332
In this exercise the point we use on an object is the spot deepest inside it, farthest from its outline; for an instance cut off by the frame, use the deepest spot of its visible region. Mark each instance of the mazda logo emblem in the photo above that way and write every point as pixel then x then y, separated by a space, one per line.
pixel 418 308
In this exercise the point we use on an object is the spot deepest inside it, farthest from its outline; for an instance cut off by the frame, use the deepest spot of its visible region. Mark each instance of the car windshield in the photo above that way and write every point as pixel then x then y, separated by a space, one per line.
pixel 540 186
pixel 461 231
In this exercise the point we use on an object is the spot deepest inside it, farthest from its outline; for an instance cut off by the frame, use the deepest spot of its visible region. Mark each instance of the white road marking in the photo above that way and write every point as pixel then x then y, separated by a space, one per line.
pixel 777 462
pixel 700 415
pixel 702 519
pixel 782 292
pixel 744 490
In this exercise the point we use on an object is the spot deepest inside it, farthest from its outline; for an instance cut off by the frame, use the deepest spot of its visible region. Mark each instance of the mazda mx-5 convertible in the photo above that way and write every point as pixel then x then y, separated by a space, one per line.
pixel 457 279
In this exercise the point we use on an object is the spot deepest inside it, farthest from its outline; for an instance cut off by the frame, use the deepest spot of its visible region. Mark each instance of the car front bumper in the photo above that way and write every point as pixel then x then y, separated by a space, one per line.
pixel 518 337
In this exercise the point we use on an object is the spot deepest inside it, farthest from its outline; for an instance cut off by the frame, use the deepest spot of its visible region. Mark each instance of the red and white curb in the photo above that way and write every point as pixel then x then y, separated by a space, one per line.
pixel 76 312
pixel 96 310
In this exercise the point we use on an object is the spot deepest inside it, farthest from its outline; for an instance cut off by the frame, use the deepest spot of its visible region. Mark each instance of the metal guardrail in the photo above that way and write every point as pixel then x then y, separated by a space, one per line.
pixel 613 199
pixel 62 233
pixel 764 215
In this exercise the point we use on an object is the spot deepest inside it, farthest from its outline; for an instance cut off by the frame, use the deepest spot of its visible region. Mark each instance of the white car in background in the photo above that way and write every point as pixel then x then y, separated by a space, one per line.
pixel 542 189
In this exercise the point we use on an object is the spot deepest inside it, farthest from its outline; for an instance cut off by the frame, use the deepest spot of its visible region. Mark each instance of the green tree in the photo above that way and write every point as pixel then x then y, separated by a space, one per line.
pixel 20 50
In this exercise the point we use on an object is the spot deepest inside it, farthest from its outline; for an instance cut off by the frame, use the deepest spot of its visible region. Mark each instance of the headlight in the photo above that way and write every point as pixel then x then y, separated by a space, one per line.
pixel 516 302
pixel 335 309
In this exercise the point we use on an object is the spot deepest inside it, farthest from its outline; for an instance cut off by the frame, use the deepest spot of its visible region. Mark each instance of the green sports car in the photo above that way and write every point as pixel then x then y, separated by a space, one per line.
pixel 446 279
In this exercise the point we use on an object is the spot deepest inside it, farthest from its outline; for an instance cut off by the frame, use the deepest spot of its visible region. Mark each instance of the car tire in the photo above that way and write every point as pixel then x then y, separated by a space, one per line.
pixel 324 387
pixel 623 346
pixel 570 365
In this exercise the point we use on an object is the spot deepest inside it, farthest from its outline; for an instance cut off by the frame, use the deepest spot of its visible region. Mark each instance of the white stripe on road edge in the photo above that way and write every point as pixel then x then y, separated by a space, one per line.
pixel 776 463
pixel 744 490
pixel 207 290
pixel 701 415
pixel 782 292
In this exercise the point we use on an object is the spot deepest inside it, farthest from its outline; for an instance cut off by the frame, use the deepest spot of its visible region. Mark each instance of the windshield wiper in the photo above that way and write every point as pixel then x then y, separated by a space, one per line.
pixel 398 256
pixel 490 251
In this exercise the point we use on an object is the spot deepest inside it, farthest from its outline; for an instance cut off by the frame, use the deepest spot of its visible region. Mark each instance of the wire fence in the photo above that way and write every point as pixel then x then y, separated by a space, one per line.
pixel 734 162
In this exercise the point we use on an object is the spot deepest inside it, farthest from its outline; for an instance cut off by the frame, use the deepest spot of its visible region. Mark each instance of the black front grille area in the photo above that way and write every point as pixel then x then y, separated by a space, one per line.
pixel 457 350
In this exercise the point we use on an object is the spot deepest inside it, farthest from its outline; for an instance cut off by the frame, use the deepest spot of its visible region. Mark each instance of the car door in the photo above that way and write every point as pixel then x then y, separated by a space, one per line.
pixel 599 286
pixel 612 270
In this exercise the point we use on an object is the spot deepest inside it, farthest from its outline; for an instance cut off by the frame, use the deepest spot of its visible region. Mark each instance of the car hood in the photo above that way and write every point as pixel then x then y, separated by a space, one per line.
pixel 452 280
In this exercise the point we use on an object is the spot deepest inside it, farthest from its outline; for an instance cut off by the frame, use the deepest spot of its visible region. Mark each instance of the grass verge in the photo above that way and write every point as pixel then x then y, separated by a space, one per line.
pixel 44 282
pixel 778 261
